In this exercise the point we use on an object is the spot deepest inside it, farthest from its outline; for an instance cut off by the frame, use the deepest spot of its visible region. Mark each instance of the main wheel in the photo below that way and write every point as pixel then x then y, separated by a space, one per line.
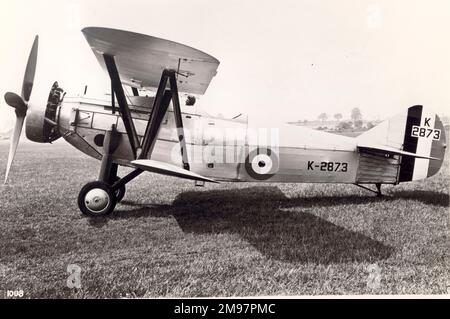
pixel 120 193
pixel 96 199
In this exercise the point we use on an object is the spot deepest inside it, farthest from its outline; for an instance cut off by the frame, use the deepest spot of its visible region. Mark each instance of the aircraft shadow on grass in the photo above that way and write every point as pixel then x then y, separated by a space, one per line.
pixel 426 197
pixel 261 216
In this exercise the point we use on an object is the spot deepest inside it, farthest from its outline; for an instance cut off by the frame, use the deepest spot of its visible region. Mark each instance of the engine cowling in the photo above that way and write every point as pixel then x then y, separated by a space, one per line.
pixel 42 115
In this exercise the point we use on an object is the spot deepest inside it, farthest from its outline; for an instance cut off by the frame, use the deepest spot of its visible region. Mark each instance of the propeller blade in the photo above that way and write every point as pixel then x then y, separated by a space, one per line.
pixel 14 142
pixel 28 78
pixel 20 103
pixel 16 101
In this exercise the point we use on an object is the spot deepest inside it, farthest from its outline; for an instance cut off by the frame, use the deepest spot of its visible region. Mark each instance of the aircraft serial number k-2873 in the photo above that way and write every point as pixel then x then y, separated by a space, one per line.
pixel 141 132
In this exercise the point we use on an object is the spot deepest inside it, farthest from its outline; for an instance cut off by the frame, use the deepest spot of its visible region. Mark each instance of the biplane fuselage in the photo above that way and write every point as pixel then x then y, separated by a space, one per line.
pixel 222 149
pixel 301 154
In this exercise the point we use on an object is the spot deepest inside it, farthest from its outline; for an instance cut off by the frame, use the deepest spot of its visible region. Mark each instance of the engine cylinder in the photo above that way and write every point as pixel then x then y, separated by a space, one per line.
pixel 42 114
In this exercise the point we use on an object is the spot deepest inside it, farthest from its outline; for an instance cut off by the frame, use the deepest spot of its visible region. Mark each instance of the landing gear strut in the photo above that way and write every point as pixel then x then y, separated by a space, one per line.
pixel 378 185
pixel 378 191
pixel 119 192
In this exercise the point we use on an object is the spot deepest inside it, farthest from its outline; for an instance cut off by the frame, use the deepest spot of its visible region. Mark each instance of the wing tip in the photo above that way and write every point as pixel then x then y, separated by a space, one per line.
pixel 92 31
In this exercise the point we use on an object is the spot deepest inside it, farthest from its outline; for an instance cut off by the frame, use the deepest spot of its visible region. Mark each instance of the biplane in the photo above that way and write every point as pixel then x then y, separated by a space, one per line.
pixel 142 131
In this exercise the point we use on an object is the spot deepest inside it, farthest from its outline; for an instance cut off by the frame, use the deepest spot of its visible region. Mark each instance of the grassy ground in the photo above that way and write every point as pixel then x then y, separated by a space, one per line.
pixel 169 238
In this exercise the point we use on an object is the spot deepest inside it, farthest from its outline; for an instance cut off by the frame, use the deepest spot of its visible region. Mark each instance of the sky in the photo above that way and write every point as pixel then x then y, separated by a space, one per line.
pixel 280 60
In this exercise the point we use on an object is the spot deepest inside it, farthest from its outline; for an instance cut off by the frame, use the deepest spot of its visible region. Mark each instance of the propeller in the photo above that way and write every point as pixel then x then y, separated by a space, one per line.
pixel 20 103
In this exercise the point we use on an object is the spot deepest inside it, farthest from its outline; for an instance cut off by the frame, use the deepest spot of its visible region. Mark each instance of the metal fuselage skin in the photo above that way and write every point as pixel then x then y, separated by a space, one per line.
pixel 225 150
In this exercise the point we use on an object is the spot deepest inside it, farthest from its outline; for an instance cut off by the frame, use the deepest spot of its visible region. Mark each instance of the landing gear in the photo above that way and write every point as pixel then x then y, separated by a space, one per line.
pixel 120 192
pixel 377 185
pixel 97 199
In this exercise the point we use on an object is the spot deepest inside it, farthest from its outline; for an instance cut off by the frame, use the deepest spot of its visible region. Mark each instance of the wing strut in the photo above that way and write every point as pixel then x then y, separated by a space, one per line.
pixel 178 118
pixel 160 105
pixel 113 99
pixel 123 106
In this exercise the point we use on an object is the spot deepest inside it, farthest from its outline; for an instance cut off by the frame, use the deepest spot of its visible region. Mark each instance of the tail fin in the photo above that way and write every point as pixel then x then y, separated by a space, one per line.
pixel 418 132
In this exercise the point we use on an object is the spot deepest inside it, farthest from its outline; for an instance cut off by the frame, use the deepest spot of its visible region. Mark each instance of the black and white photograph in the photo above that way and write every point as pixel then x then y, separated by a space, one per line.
pixel 198 149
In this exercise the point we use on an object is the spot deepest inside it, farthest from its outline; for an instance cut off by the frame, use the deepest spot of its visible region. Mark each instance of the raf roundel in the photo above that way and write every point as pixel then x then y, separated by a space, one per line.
pixel 261 163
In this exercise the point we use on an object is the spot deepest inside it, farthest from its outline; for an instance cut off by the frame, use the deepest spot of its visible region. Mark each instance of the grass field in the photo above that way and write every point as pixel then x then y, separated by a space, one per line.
pixel 169 238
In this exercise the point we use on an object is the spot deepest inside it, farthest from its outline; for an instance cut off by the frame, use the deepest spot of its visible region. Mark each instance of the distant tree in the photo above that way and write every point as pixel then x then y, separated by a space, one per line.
pixel 344 125
pixel 358 124
pixel 356 115
pixel 338 116
pixel 323 117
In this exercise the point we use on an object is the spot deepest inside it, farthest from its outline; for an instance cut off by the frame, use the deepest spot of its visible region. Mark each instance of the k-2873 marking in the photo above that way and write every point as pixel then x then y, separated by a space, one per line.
pixel 419 131
pixel 328 166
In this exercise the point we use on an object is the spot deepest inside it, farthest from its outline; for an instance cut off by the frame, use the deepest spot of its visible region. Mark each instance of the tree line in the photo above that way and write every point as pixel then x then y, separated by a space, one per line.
pixel 356 119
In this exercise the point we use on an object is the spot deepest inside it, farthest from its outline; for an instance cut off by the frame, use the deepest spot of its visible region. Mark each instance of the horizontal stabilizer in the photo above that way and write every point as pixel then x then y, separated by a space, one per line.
pixel 394 151
pixel 169 169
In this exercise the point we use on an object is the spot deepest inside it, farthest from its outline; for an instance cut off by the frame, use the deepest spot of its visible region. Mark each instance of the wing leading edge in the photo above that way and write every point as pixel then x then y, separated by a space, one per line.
pixel 141 59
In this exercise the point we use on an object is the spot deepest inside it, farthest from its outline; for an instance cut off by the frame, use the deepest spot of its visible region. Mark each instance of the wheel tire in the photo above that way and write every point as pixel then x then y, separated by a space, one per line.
pixel 96 199
pixel 120 193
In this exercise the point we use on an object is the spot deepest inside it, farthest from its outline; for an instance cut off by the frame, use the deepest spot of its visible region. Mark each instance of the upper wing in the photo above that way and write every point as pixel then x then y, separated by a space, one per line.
pixel 140 59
